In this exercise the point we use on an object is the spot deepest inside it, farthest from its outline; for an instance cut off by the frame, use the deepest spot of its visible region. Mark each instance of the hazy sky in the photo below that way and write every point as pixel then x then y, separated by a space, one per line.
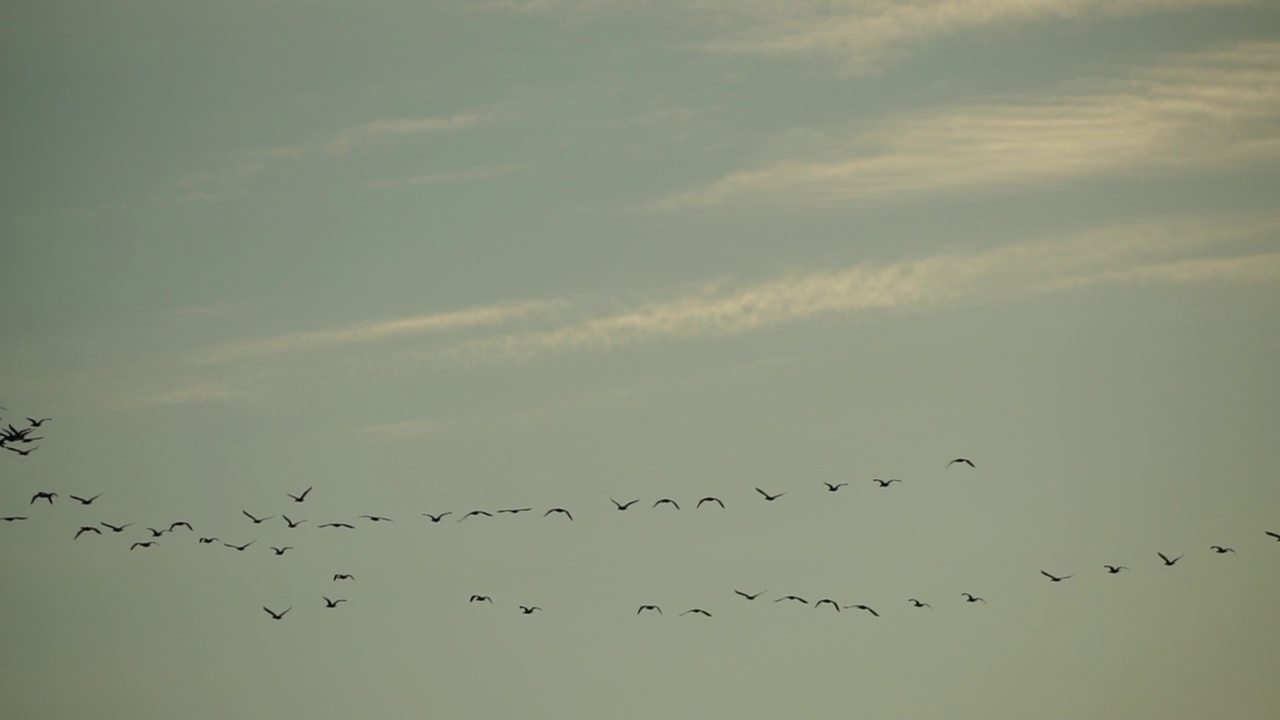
pixel 430 256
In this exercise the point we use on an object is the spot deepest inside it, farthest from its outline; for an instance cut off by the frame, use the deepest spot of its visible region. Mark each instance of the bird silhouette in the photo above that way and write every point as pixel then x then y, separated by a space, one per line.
pixel 792 597
pixel 437 518
pixel 208 540
pixel 715 500
pixel 827 601
pixel 699 611
pixel 560 510
pixel 115 528
pixel 885 483
pixel 667 501
pixel 649 607
pixel 1052 578
pixel 12 518
pixel 291 523
pixel 333 603
pixel 20 451
pixel 971 598
pixel 514 511
pixel 481 598
pixel 966 461
pixel 1114 569
pixel 862 607
pixel 916 603
pixel 769 497
pixel 240 548
pixel 1220 549
pixel 42 495
pixel 299 498
pixel 475 512
pixel 623 506
pixel 85 501
pixel 343 576
pixel 348 526
pixel 376 518
pixel 37 423
pixel 181 523
pixel 147 544
pixel 528 610
pixel 156 533
pixel 1167 561
pixel 256 520
pixel 280 551
pixel 751 597
pixel 835 487
pixel 84 529
pixel 275 615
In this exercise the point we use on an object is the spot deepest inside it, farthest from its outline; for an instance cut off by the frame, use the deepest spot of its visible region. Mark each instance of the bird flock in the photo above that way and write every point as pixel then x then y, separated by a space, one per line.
pixel 15 440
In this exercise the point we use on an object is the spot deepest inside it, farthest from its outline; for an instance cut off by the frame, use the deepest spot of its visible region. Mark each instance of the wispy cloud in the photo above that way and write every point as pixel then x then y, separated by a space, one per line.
pixel 184 394
pixel 1206 108
pixel 380 134
pixel 946 279
pixel 447 177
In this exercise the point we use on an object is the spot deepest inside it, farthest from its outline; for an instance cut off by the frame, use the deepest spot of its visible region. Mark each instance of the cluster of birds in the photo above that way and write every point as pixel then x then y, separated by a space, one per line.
pixel 16 440
pixel 151 540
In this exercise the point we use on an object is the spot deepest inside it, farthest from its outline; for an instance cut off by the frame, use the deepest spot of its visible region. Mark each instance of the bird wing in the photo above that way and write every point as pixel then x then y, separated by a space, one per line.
pixel 1163 556
pixel 1274 535
pixel 762 492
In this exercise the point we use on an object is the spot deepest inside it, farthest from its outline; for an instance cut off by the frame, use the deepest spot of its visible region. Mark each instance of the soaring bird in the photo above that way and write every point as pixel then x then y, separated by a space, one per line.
pixel 1167 561
pixel 481 598
pixel 971 598
pixel 291 523
pixel 769 497
pixel 560 510
pixel 1114 569
pixel 1220 549
pixel 156 533
pixel 475 512
pixel 240 548
pixel 256 521
pixel 343 576
pixel 115 528
pixel 208 540
pixel 916 603
pixel 528 610
pixel 792 597
pixel 11 518
pixel 299 498
pixel 274 615
pixel 376 518
pixel 833 488
pixel 623 506
pixel 280 551
pixel 437 518
pixel 885 483
pixel 827 601
pixel 715 500
pixel 42 495
pixel 84 501
pixel 966 461
pixel 21 452
pixel 348 526
pixel 333 603
pixel 667 501
pixel 147 544
pixel 862 607
pixel 37 423
pixel 1052 578
pixel 699 611
pixel 514 511
pixel 649 607
pixel 181 523
pixel 84 529
pixel 751 597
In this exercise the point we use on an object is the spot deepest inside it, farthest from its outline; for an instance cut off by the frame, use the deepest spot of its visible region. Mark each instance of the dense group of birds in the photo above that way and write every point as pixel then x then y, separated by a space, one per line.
pixel 19 441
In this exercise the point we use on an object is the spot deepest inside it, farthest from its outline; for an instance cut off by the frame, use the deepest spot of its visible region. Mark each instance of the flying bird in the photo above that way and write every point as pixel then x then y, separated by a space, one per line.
pixel 1220 549
pixel 436 518
pixel 916 603
pixel 649 607
pixel 376 518
pixel 514 511
pixel 21 452
pixel 37 423
pixel 715 500
pixel 240 548
pixel 827 601
pixel 481 598
pixel 299 498
pixel 115 528
pixel 833 488
pixel 971 598
pixel 475 512
pixel 862 607
pixel 156 533
pixel 208 540
pixel 769 497
pixel 147 544
pixel 256 521
pixel 343 576
pixel 11 518
pixel 42 495
pixel 181 523
pixel 528 610
pixel 84 501
pixel 623 506
pixel 1052 578
pixel 333 603
pixel 274 615
pixel 84 529
pixel 699 611
pixel 560 510
pixel 966 461
pixel 885 483
pixel 280 551
pixel 667 501
pixel 751 597
pixel 792 597
pixel 1114 569
pixel 291 523
pixel 1167 561
pixel 348 526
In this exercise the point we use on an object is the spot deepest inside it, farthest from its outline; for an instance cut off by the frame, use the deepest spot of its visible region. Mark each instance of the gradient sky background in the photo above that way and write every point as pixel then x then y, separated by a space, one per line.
pixel 455 255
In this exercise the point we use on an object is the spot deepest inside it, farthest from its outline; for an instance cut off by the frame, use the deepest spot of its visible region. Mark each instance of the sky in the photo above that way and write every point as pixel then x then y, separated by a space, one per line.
pixel 458 255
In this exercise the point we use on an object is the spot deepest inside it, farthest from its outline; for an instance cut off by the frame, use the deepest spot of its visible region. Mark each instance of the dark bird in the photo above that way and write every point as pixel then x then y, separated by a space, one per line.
pixel 156 533
pixel 827 601
pixel 23 453
pixel 916 603
pixel 475 512
pixel 436 518
pixel 885 483
pixel 481 598
pixel 280 551
pixel 42 495
pixel 1220 550
pixel 333 603
pixel 208 540
pixel 256 521
pixel 291 523
pixel 37 423
pixel 558 510
pixel 833 488
pixel 147 544
pixel 181 523
pixel 971 598
pixel 528 610
pixel 84 529
pixel 1114 569
pixel 1167 561
pixel 649 607
pixel 11 518
pixel 240 548
pixel 1274 535
pixel 966 461
pixel 623 506
pixel 348 526
pixel 83 501
pixel 715 500
pixel 792 597
pixel 376 518
pixel 667 501
pixel 862 607
pixel 769 497
pixel 1052 578
pixel 343 576
pixel 274 615
pixel 751 597
pixel 514 511
pixel 115 528
pixel 699 611
pixel 299 498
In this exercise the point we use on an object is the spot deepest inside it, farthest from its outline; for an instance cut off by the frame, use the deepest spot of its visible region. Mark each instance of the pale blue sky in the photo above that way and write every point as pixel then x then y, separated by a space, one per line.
pixel 458 255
